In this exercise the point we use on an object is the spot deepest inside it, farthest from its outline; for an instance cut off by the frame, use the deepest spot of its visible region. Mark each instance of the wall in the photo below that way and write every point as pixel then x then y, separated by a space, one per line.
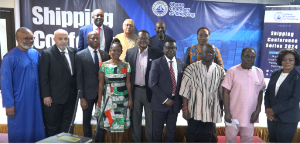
pixel 7 4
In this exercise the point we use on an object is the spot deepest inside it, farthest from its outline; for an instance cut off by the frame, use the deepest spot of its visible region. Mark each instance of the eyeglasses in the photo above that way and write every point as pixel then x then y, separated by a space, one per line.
pixel 98 15
pixel 128 25
pixel 28 39
pixel 143 39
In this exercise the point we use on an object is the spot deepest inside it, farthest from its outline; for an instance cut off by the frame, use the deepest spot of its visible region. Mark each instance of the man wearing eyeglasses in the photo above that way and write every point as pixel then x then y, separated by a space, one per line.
pixel 140 59
pixel 58 84
pixel 20 90
pixel 105 33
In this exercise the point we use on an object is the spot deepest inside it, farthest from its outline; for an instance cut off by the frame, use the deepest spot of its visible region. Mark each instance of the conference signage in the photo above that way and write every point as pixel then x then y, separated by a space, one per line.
pixel 281 31
pixel 230 31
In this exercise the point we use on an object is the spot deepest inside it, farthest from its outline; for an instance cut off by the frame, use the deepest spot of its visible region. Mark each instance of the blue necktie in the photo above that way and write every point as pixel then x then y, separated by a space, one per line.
pixel 96 60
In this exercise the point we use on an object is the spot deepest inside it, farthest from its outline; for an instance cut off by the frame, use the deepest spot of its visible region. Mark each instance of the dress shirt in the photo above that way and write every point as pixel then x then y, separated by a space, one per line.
pixel 141 66
pixel 279 81
pixel 174 65
pixel 102 37
pixel 68 58
pixel 92 53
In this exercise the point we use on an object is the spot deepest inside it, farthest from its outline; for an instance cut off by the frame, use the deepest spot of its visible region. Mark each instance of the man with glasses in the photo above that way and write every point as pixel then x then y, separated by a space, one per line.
pixel 140 59
pixel 58 84
pixel 105 33
pixel 164 80
pixel 20 90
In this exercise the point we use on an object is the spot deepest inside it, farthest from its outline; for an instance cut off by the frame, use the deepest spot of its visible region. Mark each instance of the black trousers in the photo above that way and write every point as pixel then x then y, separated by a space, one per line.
pixel 159 119
pixel 58 117
pixel 281 132
pixel 205 130
pixel 87 113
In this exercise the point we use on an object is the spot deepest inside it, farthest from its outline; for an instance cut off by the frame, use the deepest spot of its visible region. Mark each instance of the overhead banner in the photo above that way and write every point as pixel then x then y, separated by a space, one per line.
pixel 281 30
pixel 233 26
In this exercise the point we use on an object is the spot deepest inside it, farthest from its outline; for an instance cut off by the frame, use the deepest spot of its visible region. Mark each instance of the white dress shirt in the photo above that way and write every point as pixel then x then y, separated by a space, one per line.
pixel 92 53
pixel 68 58
pixel 279 81
pixel 102 37
pixel 174 65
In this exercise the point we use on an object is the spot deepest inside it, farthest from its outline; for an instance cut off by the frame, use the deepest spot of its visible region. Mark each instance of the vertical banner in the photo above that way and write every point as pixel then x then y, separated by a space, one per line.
pixel 281 30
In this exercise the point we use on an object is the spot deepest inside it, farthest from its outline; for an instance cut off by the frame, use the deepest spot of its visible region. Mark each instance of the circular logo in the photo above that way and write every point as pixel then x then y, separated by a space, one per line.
pixel 278 16
pixel 160 8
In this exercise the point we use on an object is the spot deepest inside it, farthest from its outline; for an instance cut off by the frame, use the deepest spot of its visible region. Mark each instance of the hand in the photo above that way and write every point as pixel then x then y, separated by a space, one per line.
pixel 186 114
pixel 130 105
pixel 48 101
pixel 228 117
pixel 10 111
pixel 169 102
pixel 83 103
pixel 254 117
pixel 271 118
pixel 269 111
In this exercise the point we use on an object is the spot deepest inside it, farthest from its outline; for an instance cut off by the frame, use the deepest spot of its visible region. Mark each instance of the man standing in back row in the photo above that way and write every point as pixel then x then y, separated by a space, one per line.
pixel 157 41
pixel 105 33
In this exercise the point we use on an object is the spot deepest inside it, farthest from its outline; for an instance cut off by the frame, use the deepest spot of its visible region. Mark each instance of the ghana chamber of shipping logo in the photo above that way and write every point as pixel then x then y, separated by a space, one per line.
pixel 278 16
pixel 160 8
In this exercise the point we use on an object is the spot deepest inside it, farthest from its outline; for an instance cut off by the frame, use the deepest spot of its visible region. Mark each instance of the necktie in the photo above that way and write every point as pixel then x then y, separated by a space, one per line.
pixel 66 61
pixel 173 78
pixel 99 35
pixel 96 60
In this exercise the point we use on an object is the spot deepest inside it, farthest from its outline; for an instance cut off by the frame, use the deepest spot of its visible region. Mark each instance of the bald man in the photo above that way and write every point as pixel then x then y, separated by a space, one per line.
pixel 20 91
pixel 157 41
pixel 58 84
pixel 105 33
pixel 87 68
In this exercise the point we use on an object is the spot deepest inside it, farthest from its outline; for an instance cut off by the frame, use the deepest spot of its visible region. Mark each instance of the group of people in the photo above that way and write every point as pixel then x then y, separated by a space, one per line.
pixel 133 72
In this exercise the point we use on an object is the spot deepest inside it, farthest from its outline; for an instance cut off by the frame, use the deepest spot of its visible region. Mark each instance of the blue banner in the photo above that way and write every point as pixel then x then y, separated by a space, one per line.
pixel 233 26
pixel 281 26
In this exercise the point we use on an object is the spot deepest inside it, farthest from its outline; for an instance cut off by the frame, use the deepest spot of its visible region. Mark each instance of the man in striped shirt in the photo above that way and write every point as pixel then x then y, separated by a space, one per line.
pixel 201 94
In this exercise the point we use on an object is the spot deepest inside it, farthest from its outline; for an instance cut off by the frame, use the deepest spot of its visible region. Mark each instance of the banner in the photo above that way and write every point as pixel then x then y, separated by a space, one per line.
pixel 281 30
pixel 233 26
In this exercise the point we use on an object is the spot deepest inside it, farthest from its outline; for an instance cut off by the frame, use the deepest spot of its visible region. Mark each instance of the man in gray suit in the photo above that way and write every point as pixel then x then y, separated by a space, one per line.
pixel 140 59
pixel 87 68
pixel 165 80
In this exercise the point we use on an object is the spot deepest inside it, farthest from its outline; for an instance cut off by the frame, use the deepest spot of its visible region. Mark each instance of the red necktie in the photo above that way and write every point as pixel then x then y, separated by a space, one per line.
pixel 173 78
pixel 99 35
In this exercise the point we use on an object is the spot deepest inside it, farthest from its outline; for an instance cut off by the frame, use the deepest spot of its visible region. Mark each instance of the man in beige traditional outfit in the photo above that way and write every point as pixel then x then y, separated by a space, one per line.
pixel 128 38
pixel 201 93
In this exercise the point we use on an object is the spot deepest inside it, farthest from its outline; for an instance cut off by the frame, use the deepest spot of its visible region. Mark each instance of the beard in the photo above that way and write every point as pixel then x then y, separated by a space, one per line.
pixel 62 48
pixel 25 46
pixel 160 34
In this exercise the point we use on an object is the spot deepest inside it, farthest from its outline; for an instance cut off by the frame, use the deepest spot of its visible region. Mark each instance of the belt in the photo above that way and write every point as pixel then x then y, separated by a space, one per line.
pixel 143 87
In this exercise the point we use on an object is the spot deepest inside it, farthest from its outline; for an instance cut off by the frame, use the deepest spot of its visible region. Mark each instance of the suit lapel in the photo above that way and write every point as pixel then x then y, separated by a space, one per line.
pixel 166 67
pixel 60 58
pixel 135 52
pixel 287 79
pixel 71 55
pixel 89 59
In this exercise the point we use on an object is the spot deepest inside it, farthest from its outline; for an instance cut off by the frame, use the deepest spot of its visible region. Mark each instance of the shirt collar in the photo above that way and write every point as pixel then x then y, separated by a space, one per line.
pixel 66 50
pixel 91 49
pixel 95 27
pixel 173 59
pixel 144 52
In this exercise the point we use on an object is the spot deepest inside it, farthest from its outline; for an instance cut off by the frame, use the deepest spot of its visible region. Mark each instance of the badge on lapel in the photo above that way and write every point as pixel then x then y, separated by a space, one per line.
pixel 150 59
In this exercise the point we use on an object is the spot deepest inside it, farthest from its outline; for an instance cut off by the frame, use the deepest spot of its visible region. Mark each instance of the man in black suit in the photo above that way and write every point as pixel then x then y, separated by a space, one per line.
pixel 58 84
pixel 164 81
pixel 140 59
pixel 87 69
pixel 105 32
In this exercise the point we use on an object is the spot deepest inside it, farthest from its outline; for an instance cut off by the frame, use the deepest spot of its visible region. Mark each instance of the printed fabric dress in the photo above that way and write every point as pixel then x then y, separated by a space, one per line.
pixel 116 114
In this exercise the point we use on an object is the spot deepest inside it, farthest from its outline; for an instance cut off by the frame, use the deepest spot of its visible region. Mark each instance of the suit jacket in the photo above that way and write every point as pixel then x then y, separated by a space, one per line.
pixel 86 74
pixel 83 32
pixel 56 80
pixel 160 83
pixel 285 104
pixel 131 55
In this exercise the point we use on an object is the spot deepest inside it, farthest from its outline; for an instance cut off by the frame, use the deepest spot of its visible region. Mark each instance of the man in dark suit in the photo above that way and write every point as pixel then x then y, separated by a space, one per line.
pixel 87 69
pixel 140 59
pixel 164 81
pixel 105 33
pixel 58 84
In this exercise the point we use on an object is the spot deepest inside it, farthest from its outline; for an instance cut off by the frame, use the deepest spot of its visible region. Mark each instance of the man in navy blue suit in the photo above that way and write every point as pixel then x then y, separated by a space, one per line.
pixel 105 33
pixel 165 80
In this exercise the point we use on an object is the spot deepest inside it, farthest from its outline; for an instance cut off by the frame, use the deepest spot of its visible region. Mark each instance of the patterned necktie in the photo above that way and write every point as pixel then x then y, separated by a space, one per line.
pixel 173 78
pixel 67 63
pixel 99 35
pixel 96 59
